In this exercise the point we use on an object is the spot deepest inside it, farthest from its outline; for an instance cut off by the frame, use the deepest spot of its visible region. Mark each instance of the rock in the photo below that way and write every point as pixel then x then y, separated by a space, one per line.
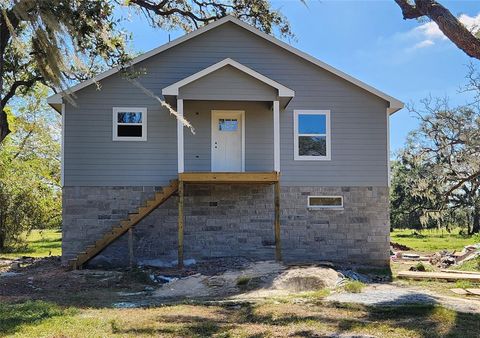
pixel 124 305
pixel 129 294
pixel 9 274
pixel 306 279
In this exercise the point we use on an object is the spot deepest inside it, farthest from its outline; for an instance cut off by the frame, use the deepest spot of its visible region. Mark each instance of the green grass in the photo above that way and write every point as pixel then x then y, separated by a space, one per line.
pixel 353 286
pixel 471 265
pixel 311 319
pixel 432 240
pixel 39 243
pixel 243 280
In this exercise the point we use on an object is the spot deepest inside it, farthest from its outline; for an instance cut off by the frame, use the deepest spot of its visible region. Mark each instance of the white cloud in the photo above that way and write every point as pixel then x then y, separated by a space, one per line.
pixel 423 44
pixel 472 23
pixel 401 47
pixel 430 33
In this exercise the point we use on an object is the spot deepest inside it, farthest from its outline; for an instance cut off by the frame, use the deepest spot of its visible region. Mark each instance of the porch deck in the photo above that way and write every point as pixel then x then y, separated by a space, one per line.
pixel 230 177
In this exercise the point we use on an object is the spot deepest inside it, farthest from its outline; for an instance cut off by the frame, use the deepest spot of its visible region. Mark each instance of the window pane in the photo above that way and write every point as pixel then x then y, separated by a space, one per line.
pixel 325 201
pixel 129 117
pixel 129 131
pixel 312 124
pixel 228 124
pixel 312 146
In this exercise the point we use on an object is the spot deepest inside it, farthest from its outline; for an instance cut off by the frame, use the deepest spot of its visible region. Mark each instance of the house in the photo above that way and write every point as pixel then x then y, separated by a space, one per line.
pixel 288 157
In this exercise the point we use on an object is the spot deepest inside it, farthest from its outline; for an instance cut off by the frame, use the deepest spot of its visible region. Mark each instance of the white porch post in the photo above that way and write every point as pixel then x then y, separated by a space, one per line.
pixel 180 150
pixel 276 136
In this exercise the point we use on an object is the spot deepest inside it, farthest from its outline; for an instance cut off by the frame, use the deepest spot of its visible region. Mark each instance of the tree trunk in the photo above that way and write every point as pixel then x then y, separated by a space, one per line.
pixel 4 129
pixel 476 221
pixel 2 233
pixel 2 241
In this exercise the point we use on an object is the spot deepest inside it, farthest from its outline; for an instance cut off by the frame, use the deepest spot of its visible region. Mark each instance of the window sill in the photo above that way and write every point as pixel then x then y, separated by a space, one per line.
pixel 326 208
pixel 311 158
pixel 129 139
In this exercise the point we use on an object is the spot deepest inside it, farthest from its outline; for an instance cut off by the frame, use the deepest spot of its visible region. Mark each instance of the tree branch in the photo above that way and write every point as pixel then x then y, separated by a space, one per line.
pixel 13 89
pixel 409 11
pixel 160 10
pixel 460 183
pixel 446 21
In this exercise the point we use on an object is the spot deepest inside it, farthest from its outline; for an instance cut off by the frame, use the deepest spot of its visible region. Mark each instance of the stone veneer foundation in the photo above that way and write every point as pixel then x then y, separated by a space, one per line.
pixel 231 220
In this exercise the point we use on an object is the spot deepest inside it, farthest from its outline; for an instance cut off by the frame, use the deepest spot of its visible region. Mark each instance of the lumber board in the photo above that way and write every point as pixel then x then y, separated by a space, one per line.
pixel 439 275
pixel 475 292
pixel 181 219
pixel 229 177
pixel 278 243
pixel 460 271
pixel 466 292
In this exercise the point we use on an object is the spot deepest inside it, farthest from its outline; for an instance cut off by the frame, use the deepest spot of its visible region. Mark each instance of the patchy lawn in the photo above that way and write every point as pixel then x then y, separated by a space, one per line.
pixel 312 317
pixel 47 301
pixel 39 243
pixel 44 300
pixel 432 240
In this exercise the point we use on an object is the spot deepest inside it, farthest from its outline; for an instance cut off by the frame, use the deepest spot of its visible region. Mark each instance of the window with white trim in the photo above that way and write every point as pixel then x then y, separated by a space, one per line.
pixel 129 124
pixel 312 134
pixel 325 202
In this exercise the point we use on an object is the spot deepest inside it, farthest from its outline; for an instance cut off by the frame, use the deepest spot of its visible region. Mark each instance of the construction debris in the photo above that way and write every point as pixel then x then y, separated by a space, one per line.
pixel 353 275
pixel 444 258
pixel 399 247
pixel 410 257
pixel 439 276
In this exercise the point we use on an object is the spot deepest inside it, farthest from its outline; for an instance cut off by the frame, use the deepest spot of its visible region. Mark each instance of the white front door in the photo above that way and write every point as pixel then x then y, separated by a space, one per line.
pixel 227 141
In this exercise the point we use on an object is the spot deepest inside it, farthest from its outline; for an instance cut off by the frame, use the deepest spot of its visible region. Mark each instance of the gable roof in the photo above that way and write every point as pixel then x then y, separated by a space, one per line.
pixel 394 104
pixel 282 90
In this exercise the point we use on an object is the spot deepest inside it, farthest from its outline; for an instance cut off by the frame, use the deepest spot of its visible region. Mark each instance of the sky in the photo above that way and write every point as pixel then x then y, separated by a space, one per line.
pixel 369 40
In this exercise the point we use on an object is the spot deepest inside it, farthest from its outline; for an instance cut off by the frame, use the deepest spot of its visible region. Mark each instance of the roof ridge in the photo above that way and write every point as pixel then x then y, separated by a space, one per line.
pixel 394 104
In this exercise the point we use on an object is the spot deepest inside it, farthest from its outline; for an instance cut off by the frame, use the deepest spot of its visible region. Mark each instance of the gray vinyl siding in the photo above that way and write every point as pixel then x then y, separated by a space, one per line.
pixel 358 120
pixel 258 134
pixel 228 83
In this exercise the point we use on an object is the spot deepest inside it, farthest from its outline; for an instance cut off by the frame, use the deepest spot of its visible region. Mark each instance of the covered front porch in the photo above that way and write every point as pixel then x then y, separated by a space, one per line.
pixel 235 113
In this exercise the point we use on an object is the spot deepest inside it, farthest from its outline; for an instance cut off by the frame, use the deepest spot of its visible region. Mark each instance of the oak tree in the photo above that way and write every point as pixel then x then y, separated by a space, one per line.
pixel 57 42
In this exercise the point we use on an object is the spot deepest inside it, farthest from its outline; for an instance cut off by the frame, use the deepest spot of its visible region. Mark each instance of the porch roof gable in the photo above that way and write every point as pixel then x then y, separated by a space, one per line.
pixel 174 88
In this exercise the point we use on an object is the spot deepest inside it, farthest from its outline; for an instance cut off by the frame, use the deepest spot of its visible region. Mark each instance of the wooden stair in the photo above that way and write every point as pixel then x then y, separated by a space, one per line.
pixel 124 225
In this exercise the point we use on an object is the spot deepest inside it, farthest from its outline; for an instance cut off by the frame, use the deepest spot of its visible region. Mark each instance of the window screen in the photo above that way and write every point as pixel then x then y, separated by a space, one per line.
pixel 325 201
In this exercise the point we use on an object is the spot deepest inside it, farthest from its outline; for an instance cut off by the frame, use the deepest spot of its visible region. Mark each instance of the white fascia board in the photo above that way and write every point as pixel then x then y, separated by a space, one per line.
pixel 174 88
pixel 394 104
